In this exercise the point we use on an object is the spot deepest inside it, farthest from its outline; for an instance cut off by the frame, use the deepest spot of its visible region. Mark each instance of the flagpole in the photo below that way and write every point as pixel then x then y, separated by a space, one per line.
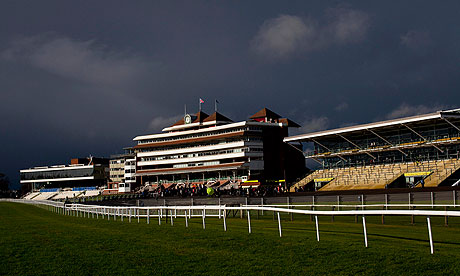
pixel 215 105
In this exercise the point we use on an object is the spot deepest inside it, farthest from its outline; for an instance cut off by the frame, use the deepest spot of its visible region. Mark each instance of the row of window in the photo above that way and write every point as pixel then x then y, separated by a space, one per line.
pixel 198 135
pixel 55 174
pixel 196 164
pixel 200 154
pixel 205 144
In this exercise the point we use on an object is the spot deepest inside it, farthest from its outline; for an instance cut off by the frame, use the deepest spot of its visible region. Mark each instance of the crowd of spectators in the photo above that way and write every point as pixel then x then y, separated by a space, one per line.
pixel 202 190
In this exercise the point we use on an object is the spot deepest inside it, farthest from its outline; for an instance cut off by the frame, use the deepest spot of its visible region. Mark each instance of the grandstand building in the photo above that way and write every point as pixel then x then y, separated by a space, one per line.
pixel 204 149
pixel 82 172
pixel 417 151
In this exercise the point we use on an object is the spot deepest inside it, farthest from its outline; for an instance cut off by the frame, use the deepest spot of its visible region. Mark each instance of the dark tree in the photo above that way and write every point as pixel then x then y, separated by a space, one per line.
pixel 4 182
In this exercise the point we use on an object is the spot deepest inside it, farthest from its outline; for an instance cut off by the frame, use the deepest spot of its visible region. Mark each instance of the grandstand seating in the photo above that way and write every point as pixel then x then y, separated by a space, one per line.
pixel 57 194
pixel 89 193
pixel 45 195
pixel 31 195
pixel 443 170
pixel 67 194
pixel 382 175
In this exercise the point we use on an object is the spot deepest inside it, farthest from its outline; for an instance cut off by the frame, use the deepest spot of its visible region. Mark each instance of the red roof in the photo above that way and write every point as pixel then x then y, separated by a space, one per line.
pixel 265 113
pixel 216 116
pixel 200 116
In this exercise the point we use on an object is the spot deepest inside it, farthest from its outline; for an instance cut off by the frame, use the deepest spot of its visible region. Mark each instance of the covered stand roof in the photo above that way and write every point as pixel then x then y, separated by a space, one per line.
pixel 439 115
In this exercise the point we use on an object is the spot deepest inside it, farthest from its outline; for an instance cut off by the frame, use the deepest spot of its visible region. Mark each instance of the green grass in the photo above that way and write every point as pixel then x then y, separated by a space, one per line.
pixel 35 241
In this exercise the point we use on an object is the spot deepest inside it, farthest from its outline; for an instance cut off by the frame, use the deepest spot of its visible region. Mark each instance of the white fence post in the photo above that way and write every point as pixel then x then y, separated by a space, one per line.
pixel 432 200
pixel 129 219
pixel 365 231
pixel 279 224
pixel 204 216
pixel 148 216
pixel 429 234
pixel 186 218
pixel 219 209
pixel 249 222
pixel 454 195
pixel 159 217
pixel 172 220
pixel 138 214
pixel 225 220
pixel 262 204
pixel 317 228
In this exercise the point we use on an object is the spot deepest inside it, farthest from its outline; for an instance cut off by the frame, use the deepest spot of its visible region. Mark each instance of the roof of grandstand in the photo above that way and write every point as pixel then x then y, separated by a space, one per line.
pixel 439 115
pixel 216 116
pixel 265 112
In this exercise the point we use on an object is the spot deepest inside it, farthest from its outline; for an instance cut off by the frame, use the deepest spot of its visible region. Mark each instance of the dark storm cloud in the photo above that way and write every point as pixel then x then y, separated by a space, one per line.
pixel 410 110
pixel 76 80
pixel 286 35
pixel 416 40
pixel 79 60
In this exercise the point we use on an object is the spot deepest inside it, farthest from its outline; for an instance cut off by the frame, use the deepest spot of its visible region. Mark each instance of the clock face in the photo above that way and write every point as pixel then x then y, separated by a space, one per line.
pixel 188 119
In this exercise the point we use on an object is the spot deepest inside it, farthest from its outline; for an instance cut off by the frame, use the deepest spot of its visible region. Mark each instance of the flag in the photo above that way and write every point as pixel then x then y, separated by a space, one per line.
pixel 201 101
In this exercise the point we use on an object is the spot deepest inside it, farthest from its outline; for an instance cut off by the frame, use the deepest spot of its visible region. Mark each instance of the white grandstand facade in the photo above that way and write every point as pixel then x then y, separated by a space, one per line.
pixel 201 148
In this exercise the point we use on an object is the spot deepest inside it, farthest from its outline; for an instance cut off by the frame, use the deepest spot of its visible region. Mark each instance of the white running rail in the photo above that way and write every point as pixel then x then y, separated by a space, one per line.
pixel 220 211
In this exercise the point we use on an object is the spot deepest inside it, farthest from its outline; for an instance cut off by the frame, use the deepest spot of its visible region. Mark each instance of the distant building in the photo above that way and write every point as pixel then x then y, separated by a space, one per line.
pixel 82 172
pixel 202 148
pixel 122 170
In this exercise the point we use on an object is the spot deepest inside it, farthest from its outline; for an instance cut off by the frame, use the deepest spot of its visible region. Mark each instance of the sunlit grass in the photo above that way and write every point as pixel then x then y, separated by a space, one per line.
pixel 35 241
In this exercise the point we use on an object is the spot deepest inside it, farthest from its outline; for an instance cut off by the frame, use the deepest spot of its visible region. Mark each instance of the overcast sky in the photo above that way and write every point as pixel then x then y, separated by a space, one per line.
pixel 85 77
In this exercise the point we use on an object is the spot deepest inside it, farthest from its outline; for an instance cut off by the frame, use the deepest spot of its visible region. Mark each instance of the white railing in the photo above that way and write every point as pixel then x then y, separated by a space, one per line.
pixel 220 211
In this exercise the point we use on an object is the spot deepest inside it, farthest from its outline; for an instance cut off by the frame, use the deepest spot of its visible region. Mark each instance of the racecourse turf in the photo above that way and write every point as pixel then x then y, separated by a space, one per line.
pixel 35 241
